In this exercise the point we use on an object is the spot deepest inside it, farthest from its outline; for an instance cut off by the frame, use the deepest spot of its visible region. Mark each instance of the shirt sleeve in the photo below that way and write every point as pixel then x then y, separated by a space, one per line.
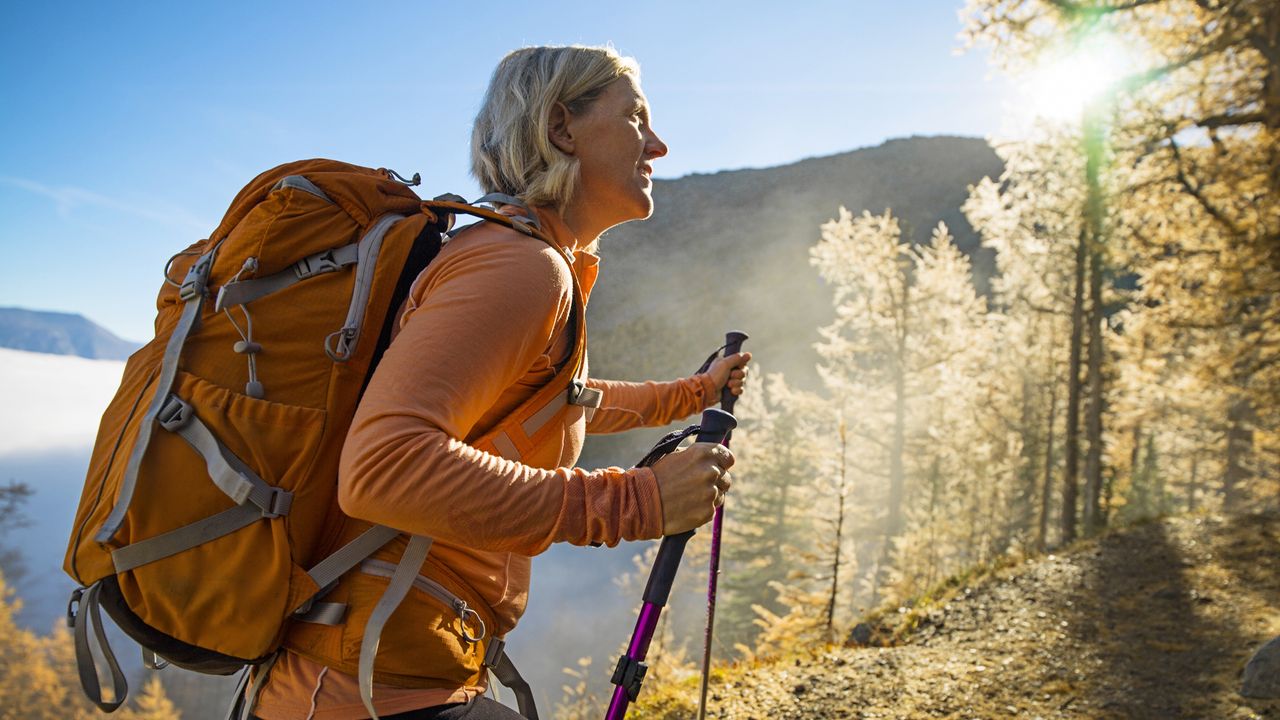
pixel 629 405
pixel 477 320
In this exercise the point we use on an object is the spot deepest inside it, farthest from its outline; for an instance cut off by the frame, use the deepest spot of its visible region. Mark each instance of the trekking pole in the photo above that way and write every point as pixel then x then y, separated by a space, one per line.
pixel 732 344
pixel 630 671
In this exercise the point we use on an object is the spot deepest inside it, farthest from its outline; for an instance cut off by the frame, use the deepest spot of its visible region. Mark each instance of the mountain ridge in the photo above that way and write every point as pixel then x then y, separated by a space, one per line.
pixel 60 333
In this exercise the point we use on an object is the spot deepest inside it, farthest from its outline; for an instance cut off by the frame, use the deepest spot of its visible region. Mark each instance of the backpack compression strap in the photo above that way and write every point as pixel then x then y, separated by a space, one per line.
pixel 193 293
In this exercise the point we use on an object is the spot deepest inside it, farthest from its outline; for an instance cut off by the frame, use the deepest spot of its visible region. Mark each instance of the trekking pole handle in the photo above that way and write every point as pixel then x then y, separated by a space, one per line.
pixel 714 428
pixel 732 344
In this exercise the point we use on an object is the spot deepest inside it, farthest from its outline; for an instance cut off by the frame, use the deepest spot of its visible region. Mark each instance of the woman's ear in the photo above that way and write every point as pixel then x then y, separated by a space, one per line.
pixel 558 130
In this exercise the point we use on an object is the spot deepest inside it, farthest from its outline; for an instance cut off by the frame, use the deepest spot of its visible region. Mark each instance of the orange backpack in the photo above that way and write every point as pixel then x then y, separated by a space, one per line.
pixel 208 518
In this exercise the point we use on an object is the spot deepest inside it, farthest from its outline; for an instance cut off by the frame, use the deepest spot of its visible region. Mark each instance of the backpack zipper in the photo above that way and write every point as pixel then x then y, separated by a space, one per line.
pixel 382 568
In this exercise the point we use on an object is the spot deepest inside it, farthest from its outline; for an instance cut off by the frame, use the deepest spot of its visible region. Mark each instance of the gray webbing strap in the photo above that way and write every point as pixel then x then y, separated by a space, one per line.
pixel 89 613
pixel 228 472
pixel 327 572
pixel 246 291
pixel 322 613
pixel 192 291
pixel 256 687
pixel 500 199
pixel 298 182
pixel 508 675
pixel 401 581
pixel 236 709
pixel 184 538
pixel 346 557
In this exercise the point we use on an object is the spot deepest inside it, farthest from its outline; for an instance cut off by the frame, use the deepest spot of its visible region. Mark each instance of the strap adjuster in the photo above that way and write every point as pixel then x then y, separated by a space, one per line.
pixel 279 503
pixel 580 394
pixel 73 606
pixel 493 653
pixel 174 414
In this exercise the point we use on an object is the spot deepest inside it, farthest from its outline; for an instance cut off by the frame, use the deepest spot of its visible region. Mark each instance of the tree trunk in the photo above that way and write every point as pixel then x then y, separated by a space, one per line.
pixel 1019 522
pixel 1191 489
pixel 935 491
pixel 1047 488
pixel 1093 142
pixel 897 469
pixel 1071 475
pixel 1135 470
pixel 835 564
pixel 1239 450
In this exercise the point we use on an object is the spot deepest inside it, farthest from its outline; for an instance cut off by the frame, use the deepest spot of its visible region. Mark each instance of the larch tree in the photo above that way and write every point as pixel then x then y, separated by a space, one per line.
pixel 773 540
pixel 907 331
pixel 1194 126
pixel 1031 217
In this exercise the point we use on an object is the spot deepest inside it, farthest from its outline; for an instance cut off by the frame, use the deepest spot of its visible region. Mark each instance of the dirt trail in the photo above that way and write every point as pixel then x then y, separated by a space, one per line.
pixel 1155 621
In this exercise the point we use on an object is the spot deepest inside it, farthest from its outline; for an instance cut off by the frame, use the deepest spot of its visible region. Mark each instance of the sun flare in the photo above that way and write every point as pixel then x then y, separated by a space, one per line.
pixel 1065 82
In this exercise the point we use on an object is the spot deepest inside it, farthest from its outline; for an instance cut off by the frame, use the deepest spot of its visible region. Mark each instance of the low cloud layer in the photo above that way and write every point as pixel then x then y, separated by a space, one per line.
pixel 52 402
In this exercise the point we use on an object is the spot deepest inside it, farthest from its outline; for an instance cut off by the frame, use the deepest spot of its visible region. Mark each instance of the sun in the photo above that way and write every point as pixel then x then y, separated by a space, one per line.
pixel 1066 81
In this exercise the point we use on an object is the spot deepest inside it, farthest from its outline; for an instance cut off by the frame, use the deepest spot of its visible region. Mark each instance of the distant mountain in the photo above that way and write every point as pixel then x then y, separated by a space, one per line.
pixel 730 250
pixel 60 334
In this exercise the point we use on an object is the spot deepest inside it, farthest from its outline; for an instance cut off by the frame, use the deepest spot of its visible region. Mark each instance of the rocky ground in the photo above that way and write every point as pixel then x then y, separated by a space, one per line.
pixel 1154 621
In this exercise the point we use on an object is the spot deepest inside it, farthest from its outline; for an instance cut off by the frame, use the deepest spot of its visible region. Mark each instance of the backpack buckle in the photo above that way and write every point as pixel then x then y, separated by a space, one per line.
pixel 493 653
pixel 193 285
pixel 580 394
pixel 320 263
pixel 73 606
pixel 174 414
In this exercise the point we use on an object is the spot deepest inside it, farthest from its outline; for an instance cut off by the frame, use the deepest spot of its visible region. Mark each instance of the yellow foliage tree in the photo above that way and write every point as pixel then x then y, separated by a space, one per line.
pixel 152 704
pixel 38 679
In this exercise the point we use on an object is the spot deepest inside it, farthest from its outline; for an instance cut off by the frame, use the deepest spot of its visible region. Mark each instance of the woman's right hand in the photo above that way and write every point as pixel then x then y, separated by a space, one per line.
pixel 692 483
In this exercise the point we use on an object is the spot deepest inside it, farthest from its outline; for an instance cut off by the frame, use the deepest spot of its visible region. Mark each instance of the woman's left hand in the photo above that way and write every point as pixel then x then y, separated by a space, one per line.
pixel 731 371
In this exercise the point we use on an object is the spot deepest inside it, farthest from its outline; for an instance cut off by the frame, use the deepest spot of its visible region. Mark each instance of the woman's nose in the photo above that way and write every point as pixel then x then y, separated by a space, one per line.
pixel 654 147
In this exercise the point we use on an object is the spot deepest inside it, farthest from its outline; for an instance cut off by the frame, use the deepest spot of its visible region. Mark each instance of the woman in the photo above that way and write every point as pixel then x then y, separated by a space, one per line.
pixel 452 439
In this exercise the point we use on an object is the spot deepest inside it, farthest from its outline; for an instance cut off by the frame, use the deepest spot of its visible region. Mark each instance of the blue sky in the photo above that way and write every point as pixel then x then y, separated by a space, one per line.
pixel 128 126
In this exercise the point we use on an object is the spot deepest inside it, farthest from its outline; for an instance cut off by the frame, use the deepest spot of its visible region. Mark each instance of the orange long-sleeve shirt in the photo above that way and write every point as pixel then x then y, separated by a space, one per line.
pixel 485 326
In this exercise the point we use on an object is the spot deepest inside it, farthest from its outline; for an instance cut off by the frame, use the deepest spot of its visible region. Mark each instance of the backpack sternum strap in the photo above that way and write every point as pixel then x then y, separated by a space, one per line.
pixel 193 292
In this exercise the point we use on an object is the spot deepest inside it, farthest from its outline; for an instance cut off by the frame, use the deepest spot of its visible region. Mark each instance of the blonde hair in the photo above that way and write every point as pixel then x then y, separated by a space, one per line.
pixel 511 152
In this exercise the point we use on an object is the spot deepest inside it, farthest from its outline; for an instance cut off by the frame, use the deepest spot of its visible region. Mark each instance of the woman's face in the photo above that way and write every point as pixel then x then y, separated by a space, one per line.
pixel 614 146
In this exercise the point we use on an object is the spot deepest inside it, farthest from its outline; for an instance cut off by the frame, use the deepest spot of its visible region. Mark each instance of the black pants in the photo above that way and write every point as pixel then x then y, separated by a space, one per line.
pixel 482 708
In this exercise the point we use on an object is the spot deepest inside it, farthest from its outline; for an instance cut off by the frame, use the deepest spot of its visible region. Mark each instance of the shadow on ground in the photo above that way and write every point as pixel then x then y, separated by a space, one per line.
pixel 1153 609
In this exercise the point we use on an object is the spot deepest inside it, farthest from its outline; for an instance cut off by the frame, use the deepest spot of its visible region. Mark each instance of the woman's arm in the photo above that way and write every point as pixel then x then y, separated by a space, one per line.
pixel 629 405
pixel 480 318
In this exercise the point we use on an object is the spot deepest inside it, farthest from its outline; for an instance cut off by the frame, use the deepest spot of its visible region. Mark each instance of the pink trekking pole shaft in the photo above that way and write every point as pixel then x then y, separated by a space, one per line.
pixel 630 671
pixel 732 344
